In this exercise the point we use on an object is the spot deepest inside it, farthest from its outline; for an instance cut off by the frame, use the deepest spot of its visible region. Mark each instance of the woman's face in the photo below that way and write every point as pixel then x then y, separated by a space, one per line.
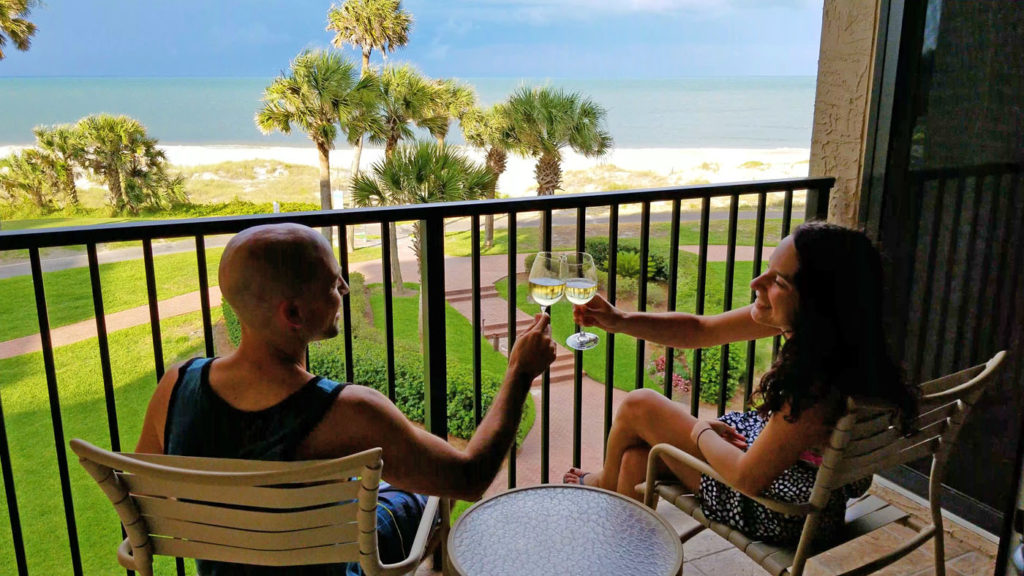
pixel 776 301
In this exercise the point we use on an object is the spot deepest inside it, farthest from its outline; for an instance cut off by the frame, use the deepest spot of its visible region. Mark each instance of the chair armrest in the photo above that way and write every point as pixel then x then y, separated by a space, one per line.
pixel 669 452
pixel 124 555
pixel 419 543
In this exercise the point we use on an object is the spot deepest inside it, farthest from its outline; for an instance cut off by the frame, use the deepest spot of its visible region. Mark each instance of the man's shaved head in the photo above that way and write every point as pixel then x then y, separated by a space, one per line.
pixel 264 265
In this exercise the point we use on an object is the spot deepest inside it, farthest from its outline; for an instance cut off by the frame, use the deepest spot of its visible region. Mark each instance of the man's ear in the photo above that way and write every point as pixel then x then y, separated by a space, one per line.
pixel 290 314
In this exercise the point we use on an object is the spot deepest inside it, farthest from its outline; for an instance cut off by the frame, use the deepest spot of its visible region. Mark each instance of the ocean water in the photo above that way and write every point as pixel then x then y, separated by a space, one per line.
pixel 748 112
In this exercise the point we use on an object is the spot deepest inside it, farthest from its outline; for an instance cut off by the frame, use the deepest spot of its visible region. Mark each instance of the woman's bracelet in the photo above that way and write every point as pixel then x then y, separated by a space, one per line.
pixel 699 434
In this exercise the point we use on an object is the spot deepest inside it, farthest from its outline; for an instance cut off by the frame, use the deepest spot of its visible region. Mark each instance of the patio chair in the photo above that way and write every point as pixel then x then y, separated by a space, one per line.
pixel 863 442
pixel 252 512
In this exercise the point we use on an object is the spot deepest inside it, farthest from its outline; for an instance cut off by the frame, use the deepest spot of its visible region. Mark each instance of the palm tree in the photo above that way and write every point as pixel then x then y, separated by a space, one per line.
pixel 418 174
pixel 369 25
pixel 452 101
pixel 14 26
pixel 65 148
pixel 27 175
pixel 405 99
pixel 320 93
pixel 118 150
pixel 488 130
pixel 542 121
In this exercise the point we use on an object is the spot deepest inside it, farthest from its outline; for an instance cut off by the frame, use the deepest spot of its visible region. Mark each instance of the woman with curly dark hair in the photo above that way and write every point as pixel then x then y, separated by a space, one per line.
pixel 823 292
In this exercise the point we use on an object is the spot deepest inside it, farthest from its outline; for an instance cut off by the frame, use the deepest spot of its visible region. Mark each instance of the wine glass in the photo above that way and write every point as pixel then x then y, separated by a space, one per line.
pixel 546 284
pixel 580 276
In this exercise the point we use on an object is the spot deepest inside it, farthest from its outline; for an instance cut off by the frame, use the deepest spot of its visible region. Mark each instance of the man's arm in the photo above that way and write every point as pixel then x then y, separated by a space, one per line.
pixel 151 439
pixel 673 329
pixel 418 461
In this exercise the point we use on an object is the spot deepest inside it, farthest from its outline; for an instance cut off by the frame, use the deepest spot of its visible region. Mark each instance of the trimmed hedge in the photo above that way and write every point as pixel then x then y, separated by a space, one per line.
pixel 711 369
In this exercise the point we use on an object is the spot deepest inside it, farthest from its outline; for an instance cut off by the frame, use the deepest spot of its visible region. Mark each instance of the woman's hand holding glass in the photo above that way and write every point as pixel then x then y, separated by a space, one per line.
pixel 580 275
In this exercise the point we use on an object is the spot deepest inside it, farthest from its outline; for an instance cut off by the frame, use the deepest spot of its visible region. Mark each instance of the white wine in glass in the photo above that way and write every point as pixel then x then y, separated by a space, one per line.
pixel 580 276
pixel 546 284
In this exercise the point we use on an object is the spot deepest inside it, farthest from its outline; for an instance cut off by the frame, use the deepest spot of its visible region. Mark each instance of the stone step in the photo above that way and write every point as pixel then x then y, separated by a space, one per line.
pixel 466 294
pixel 501 328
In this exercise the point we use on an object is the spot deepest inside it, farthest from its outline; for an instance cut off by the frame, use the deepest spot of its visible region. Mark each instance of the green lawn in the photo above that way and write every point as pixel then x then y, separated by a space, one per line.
pixel 69 292
pixel 460 244
pixel 33 455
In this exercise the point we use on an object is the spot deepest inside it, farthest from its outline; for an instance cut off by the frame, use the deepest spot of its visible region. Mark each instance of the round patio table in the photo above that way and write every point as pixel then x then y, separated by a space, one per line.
pixel 563 529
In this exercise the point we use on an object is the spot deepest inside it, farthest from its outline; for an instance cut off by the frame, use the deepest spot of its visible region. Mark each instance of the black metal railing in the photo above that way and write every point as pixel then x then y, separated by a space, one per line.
pixel 433 287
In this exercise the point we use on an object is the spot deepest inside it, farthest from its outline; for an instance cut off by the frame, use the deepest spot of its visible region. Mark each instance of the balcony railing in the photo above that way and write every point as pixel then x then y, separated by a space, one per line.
pixel 432 281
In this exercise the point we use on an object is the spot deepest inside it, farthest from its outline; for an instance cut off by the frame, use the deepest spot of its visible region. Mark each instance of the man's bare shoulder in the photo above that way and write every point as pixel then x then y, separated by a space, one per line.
pixel 357 420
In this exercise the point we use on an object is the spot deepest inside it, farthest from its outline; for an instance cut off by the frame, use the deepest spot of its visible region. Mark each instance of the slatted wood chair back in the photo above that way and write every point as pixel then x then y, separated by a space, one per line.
pixel 245 511
pixel 868 440
pixel 865 441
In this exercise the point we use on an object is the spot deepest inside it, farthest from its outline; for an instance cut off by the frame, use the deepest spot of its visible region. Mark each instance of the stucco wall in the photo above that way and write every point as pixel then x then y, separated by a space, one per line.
pixel 841 103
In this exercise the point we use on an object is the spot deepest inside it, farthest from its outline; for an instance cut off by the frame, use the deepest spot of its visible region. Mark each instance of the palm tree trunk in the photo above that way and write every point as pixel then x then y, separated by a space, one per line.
pixel 396 266
pixel 497 160
pixel 356 157
pixel 69 185
pixel 549 178
pixel 325 187
pixel 114 192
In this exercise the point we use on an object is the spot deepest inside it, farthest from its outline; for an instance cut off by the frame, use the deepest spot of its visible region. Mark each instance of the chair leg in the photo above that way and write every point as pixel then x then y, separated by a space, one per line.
pixel 935 503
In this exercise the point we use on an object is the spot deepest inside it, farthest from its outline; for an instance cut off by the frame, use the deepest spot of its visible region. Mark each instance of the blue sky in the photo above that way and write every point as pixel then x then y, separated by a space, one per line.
pixel 461 38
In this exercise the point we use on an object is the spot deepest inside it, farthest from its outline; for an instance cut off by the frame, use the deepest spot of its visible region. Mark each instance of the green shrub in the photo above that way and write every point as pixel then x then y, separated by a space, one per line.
pixel 628 264
pixel 598 249
pixel 710 372
pixel 528 261
pixel 234 327
pixel 625 287
pixel 655 296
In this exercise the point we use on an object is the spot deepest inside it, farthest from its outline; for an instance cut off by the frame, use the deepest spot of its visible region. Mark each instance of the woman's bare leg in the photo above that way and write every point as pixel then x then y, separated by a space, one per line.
pixel 644 419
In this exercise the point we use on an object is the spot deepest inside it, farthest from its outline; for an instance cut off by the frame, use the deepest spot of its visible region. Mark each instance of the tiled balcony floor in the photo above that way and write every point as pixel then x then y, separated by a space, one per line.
pixel 967 553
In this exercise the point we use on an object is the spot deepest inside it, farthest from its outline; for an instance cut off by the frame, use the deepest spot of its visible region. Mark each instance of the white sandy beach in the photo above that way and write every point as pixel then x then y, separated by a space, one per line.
pixel 682 165
pixel 671 166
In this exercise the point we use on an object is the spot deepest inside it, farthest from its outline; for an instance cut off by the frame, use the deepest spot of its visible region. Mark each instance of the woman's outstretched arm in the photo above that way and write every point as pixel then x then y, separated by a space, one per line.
pixel 674 329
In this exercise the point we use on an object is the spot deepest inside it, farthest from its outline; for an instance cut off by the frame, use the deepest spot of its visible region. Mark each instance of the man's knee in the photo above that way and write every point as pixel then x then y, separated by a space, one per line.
pixel 635 459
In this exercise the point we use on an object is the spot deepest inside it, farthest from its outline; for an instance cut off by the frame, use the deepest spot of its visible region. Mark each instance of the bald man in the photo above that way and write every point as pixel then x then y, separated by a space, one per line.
pixel 260 402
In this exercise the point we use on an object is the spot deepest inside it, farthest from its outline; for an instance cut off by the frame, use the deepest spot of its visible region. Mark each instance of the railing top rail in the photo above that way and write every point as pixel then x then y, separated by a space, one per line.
pixel 182 228
pixel 973 171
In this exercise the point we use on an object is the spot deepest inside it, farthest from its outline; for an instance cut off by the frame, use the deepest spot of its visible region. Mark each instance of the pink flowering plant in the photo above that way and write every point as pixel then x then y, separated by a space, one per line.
pixel 680 372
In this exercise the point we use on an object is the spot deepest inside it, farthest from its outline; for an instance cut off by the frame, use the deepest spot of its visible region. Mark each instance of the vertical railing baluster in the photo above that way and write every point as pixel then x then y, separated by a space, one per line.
pixel 101 336
pixel 154 324
pixel 949 271
pixel 545 382
pixel 730 269
pixel 762 200
pixel 204 294
pixel 55 415
pixel 346 304
pixel 154 308
pixel 1009 288
pixel 965 289
pixel 1009 319
pixel 389 311
pixel 673 278
pixel 435 380
pixel 988 288
pixel 702 280
pixel 12 498
pixel 641 289
pixel 477 319
pixel 512 326
pixel 609 350
pixel 916 364
pixel 787 217
pixel 577 379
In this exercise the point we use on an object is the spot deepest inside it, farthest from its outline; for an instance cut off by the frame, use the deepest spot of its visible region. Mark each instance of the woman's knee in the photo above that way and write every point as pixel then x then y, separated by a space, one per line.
pixel 638 404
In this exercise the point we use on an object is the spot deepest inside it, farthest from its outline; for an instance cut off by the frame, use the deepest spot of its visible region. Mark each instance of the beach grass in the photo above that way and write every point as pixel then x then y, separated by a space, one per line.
pixel 256 181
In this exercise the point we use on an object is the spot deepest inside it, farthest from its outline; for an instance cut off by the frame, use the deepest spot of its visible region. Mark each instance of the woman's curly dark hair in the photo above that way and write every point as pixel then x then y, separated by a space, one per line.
pixel 837 347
